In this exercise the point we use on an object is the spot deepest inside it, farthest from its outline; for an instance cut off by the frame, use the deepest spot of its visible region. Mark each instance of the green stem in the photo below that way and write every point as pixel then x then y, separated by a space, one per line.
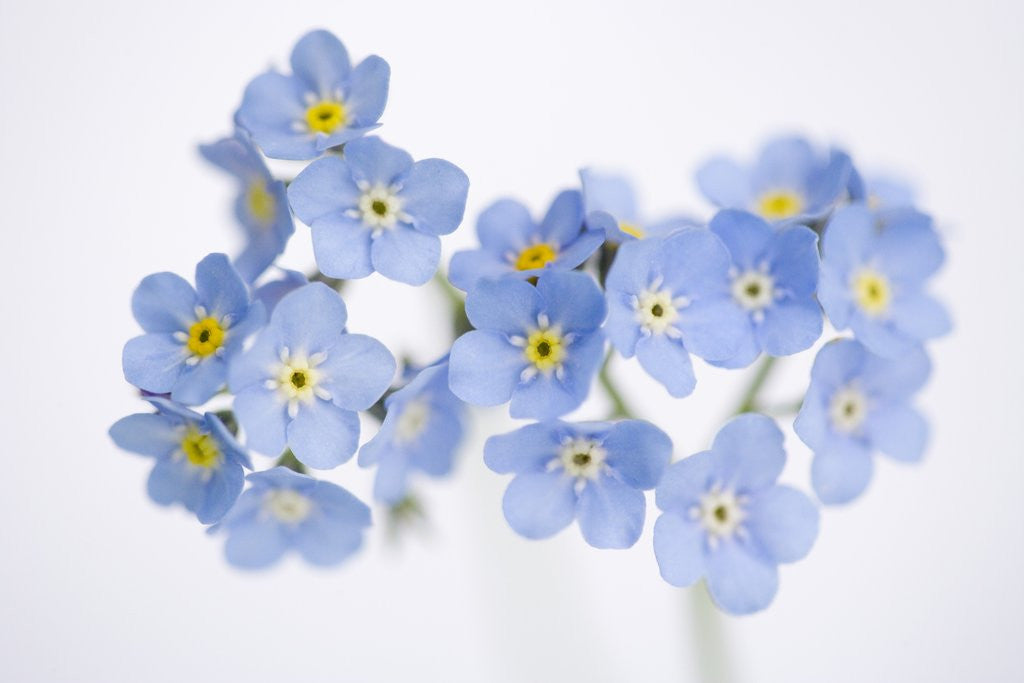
pixel 334 283
pixel 749 401
pixel 457 304
pixel 620 409
pixel 289 460
pixel 709 638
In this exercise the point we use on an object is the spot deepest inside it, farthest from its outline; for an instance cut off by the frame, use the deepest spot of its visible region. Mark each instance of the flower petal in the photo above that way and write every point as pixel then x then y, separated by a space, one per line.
pixel 406 255
pixel 484 368
pixel 434 194
pixel 684 482
pixel 164 302
pixel 841 474
pixel 899 431
pixel 539 504
pixel 321 61
pixel 739 582
pixel 357 371
pixel 322 435
pixel 679 549
pixel 611 513
pixel 342 246
pixel 375 161
pixel 527 449
pixel 725 183
pixel 639 452
pixel 667 361
pixel 153 362
pixel 749 453
pixel 507 306
pixel 783 522
pixel 324 187
pixel 310 319
pixel 264 418
pixel 368 91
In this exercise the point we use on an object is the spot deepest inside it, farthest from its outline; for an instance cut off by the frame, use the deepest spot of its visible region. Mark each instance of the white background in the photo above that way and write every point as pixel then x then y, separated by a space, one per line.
pixel 101 105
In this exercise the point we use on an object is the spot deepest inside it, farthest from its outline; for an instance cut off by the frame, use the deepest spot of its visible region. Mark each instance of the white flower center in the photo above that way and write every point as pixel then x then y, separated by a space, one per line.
pixel 296 379
pixel 657 309
pixel 582 457
pixel 413 420
pixel 754 290
pixel 720 512
pixel 287 505
pixel 848 409
pixel 380 207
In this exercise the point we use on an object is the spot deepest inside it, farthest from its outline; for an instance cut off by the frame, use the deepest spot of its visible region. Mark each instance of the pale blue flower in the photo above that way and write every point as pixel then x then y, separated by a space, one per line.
pixel 594 472
pixel 610 204
pixel 727 520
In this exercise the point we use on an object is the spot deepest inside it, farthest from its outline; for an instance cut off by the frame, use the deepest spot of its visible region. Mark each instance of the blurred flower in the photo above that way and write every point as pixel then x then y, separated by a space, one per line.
pixel 539 346
pixel 376 210
pixel 513 244
pixel 302 380
pixel 261 206
pixel 725 518
pixel 270 293
pixel 198 462
pixel 324 103
pixel 421 432
pixel 880 193
pixel 873 278
pixel 671 297
pixel 284 510
pixel 791 181
pixel 592 471
pixel 774 274
pixel 191 334
pixel 859 403
pixel 610 205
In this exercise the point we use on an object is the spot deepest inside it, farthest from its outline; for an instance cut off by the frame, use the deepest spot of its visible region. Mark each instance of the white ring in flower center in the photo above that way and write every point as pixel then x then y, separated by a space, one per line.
pixel 287 505
pixel 582 457
pixel 754 290
pixel 413 420
pixel 848 409
pixel 380 206
pixel 296 379
pixel 657 309
pixel 720 512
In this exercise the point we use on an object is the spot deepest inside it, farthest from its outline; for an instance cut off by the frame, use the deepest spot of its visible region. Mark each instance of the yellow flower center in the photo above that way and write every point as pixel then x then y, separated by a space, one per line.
pixel 778 204
pixel 205 337
pixel 325 117
pixel 261 204
pixel 536 256
pixel 200 449
pixel 631 229
pixel 545 349
pixel 872 292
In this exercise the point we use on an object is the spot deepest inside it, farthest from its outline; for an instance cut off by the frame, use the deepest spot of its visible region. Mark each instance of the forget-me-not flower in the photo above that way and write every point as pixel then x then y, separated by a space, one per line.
pixel 376 210
pixel 774 275
pixel 304 377
pixel 512 243
pixel 671 297
pixel 873 276
pixel 609 203
pixel 880 193
pixel 198 462
pixel 859 403
pixel 261 207
pixel 421 432
pixel 322 104
pixel 791 181
pixel 191 334
pixel 594 472
pixel 283 510
pixel 539 346
pixel 727 520
pixel 271 292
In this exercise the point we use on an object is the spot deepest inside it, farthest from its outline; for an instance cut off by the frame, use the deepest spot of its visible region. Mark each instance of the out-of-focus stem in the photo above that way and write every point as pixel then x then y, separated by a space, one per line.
pixel 620 409
pixel 749 401
pixel 457 304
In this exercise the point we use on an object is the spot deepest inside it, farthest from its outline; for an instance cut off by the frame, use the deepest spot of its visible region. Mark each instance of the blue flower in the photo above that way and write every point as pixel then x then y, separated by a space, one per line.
pixel 539 346
pixel 790 181
pixel 859 403
pixel 376 210
pixel 774 274
pixel 421 432
pixel 284 510
pixel 270 293
pixel 198 463
pixel 513 244
pixel 191 334
pixel 671 297
pixel 323 104
pixel 726 520
pixel 873 278
pixel 261 206
pixel 610 205
pixel 592 471
pixel 304 377
pixel 880 193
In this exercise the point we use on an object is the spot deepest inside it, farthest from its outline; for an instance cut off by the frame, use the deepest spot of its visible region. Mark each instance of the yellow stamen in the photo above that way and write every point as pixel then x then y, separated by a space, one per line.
pixel 536 256
pixel 200 449
pixel 326 117
pixel 205 337
pixel 632 229
pixel 261 204
pixel 778 204
pixel 544 348
pixel 872 292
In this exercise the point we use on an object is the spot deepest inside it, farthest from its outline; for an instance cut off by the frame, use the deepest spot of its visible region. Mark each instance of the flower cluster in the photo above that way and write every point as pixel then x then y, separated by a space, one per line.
pixel 799 239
